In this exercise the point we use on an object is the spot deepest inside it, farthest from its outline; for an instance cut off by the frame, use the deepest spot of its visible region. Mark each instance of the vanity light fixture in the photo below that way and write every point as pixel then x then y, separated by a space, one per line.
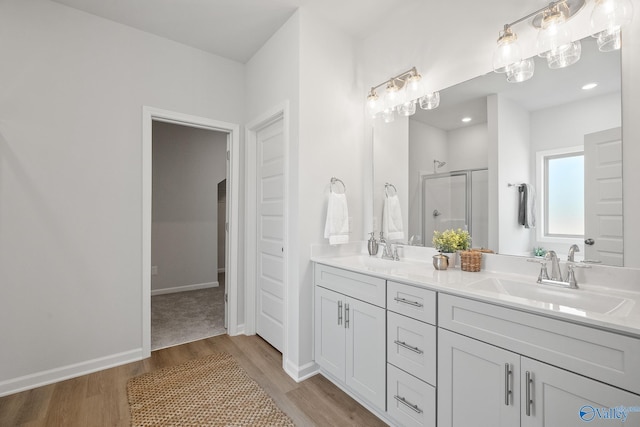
pixel 402 93
pixel 554 41
pixel 611 15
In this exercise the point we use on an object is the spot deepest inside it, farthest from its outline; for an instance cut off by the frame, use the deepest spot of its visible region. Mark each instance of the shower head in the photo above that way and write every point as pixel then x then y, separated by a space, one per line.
pixel 437 164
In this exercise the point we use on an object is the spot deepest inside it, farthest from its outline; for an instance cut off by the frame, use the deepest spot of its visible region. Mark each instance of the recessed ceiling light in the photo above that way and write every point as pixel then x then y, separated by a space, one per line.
pixel 589 86
pixel 466 119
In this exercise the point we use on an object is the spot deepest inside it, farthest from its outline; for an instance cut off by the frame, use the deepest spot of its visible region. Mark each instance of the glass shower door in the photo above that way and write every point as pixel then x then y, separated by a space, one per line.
pixel 444 203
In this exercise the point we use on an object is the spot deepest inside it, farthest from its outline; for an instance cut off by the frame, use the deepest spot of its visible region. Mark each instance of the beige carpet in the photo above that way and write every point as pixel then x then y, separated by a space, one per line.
pixel 188 316
pixel 210 391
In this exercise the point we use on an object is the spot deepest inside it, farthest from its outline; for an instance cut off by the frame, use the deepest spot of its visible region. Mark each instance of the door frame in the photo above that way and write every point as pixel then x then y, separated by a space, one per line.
pixel 150 114
pixel 279 112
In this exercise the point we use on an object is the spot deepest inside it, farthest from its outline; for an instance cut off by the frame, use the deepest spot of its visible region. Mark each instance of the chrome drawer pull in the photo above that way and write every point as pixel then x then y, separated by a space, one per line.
pixel 527 399
pixel 507 387
pixel 346 313
pixel 409 405
pixel 339 312
pixel 406 301
pixel 408 347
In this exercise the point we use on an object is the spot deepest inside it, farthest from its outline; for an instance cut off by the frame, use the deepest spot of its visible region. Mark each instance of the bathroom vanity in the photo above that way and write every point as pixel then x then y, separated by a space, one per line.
pixel 422 347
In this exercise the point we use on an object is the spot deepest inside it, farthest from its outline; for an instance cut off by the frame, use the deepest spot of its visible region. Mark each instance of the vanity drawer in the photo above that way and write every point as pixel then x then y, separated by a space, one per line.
pixel 412 301
pixel 410 401
pixel 360 286
pixel 411 346
pixel 602 355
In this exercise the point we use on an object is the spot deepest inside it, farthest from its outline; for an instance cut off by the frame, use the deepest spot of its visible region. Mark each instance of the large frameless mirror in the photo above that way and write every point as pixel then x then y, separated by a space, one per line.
pixel 467 163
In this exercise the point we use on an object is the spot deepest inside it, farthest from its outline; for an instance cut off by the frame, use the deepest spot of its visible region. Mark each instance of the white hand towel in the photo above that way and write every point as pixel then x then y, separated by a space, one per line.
pixel 392 218
pixel 336 228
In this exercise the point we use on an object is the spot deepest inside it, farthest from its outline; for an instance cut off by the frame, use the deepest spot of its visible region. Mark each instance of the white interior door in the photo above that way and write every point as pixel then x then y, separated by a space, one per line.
pixel 603 196
pixel 270 234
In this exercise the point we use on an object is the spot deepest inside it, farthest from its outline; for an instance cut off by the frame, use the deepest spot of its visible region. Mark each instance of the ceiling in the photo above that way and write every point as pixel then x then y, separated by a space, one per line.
pixel 234 29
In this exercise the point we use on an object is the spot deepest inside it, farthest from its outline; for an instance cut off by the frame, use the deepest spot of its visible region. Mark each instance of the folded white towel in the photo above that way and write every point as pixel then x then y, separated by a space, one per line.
pixel 336 228
pixel 392 218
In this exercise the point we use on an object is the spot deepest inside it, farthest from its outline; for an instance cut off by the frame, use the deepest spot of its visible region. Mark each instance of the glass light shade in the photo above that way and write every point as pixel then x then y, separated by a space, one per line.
pixel 388 115
pixel 507 52
pixel 611 15
pixel 391 97
pixel 407 109
pixel 566 57
pixel 554 36
pixel 521 71
pixel 609 40
pixel 373 104
pixel 414 87
pixel 430 101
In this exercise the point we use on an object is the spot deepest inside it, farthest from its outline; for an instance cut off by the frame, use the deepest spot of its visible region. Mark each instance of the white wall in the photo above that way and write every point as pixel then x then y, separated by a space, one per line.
pixel 71 180
pixel 188 163
pixel 468 147
pixel 331 144
pixel 391 145
pixel 513 148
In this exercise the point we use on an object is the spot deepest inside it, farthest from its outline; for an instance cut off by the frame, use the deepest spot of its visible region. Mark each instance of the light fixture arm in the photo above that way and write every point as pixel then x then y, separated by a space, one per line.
pixel 550 6
pixel 402 77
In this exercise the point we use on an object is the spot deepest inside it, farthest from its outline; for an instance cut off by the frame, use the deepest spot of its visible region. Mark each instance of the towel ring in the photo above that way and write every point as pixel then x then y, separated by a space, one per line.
pixel 386 188
pixel 335 180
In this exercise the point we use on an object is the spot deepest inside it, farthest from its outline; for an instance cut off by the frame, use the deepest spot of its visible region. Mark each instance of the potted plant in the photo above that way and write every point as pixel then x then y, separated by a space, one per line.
pixel 448 242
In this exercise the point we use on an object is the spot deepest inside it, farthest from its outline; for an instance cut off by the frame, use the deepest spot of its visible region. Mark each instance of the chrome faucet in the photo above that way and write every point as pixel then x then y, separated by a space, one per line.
pixel 389 250
pixel 572 250
pixel 556 274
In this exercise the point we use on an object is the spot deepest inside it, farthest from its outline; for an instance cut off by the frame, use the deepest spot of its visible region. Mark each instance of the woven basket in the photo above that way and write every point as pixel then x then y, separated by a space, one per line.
pixel 470 260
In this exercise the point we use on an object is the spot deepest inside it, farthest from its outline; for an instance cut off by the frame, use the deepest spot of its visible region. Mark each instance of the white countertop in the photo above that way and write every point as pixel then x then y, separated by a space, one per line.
pixel 595 305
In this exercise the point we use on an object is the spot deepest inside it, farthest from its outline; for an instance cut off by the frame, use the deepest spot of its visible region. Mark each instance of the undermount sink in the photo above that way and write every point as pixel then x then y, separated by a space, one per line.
pixel 574 301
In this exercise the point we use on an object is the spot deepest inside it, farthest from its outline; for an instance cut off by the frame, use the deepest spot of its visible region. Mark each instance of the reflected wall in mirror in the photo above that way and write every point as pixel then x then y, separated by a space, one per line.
pixel 561 140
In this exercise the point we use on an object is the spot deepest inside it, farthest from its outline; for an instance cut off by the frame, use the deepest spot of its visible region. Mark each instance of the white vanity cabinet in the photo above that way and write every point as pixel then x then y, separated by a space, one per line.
pixel 411 355
pixel 350 332
pixel 482 384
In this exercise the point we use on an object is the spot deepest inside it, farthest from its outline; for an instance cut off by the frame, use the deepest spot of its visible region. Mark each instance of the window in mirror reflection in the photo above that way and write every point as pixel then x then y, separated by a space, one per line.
pixel 564 189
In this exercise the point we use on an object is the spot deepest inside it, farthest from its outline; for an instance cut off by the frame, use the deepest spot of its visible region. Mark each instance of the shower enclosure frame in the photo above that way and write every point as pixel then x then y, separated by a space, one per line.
pixel 467 173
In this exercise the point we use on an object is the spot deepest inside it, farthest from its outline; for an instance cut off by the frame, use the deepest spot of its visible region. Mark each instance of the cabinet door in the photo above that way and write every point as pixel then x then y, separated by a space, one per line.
pixel 330 332
pixel 562 398
pixel 478 384
pixel 365 326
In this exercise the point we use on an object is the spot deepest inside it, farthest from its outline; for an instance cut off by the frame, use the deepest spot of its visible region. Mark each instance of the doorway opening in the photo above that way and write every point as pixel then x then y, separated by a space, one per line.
pixel 187 245
pixel 181 174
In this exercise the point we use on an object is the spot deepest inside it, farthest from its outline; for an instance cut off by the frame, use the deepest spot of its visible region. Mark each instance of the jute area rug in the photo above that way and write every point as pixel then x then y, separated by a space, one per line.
pixel 210 391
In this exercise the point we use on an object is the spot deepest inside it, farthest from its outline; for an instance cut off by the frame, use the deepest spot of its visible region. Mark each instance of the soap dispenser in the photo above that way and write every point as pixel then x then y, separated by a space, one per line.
pixel 372 245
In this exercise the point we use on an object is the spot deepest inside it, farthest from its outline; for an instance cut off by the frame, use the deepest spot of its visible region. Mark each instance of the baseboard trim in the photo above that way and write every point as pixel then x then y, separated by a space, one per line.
pixel 184 288
pixel 301 373
pixel 38 379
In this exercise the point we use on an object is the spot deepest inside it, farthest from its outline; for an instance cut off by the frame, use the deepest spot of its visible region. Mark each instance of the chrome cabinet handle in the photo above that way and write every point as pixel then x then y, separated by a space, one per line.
pixel 408 347
pixel 408 404
pixel 406 301
pixel 346 315
pixel 339 312
pixel 507 385
pixel 528 400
